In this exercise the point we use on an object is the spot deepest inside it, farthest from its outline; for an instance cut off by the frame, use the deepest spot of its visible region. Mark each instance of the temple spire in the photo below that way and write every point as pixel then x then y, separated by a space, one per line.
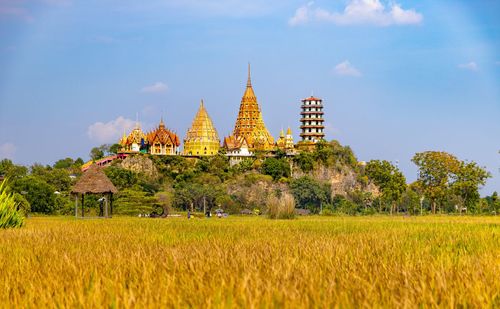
pixel 249 81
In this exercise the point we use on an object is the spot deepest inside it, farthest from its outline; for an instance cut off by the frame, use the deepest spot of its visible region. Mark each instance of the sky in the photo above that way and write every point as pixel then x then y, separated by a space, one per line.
pixel 396 77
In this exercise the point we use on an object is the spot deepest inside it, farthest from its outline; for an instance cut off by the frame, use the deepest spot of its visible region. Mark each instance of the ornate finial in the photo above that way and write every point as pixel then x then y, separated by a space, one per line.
pixel 249 81
pixel 289 131
pixel 162 124
pixel 137 125
pixel 202 104
pixel 282 133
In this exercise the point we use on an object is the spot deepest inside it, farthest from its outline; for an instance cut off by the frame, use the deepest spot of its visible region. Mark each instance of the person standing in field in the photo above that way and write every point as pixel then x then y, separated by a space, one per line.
pixel 189 214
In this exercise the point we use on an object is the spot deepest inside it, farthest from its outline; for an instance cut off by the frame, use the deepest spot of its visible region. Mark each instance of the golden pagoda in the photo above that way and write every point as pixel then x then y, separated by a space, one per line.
pixel 202 138
pixel 285 142
pixel 281 142
pixel 249 124
pixel 162 141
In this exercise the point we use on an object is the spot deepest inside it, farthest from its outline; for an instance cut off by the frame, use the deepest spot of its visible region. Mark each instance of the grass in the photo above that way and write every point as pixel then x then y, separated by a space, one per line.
pixel 252 262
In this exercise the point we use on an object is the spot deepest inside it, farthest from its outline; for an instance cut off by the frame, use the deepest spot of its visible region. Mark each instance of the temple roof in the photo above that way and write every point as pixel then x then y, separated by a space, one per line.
pixel 249 123
pixel 202 127
pixel 162 135
pixel 135 136
pixel 311 98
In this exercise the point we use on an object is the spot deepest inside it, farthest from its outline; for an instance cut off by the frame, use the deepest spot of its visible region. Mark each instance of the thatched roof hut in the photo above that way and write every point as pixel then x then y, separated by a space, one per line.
pixel 94 181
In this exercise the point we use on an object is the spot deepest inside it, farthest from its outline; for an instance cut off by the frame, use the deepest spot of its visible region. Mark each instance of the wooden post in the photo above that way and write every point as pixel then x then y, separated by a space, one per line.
pixel 106 209
pixel 76 205
pixel 83 203
pixel 111 204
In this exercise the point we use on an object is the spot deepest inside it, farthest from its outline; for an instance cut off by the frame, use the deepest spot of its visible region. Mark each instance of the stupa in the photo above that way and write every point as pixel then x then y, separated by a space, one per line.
pixel 201 138
pixel 249 124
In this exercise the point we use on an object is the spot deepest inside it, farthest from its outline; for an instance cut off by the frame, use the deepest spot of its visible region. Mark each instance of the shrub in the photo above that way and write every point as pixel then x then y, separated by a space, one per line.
pixel 282 207
pixel 276 168
pixel 9 216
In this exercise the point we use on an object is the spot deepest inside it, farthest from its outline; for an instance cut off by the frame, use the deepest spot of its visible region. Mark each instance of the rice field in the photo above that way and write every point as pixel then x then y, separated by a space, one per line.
pixel 402 262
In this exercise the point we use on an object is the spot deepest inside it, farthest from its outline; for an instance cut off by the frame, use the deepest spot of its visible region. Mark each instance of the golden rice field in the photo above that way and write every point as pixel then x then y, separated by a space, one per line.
pixel 252 262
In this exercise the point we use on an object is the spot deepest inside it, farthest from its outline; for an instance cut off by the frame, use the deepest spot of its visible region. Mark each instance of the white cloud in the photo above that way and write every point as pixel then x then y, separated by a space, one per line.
pixel 155 88
pixel 357 12
pixel 7 151
pixel 301 15
pixel 471 66
pixel 346 69
pixel 110 132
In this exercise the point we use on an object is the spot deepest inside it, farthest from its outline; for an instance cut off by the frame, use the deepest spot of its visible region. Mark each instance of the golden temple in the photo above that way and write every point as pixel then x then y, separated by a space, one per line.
pixel 249 124
pixel 249 135
pixel 285 142
pixel 160 141
pixel 134 141
pixel 202 138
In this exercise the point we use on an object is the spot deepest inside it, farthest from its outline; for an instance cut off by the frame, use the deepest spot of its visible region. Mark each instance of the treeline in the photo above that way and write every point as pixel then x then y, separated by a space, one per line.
pixel 445 184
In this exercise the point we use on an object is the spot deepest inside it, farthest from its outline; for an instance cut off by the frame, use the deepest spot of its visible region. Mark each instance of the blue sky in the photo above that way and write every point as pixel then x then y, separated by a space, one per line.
pixel 396 77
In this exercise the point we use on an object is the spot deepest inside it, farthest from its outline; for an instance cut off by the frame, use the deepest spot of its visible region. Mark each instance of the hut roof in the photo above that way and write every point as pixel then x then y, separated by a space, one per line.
pixel 94 181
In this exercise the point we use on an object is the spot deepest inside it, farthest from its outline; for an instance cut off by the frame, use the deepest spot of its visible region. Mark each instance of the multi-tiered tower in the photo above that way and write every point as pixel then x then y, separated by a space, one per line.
pixel 202 138
pixel 249 125
pixel 312 120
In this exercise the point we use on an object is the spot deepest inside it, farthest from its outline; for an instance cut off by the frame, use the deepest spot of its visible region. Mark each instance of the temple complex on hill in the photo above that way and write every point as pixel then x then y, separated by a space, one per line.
pixel 250 133
pixel 202 138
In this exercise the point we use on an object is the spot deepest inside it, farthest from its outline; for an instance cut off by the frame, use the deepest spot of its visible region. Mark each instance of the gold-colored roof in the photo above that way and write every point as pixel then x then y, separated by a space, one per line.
pixel 249 123
pixel 136 136
pixel 201 137
pixel 163 136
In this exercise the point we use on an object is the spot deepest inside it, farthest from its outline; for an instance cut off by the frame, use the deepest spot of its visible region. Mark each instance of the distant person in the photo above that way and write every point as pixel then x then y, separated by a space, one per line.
pixel 189 214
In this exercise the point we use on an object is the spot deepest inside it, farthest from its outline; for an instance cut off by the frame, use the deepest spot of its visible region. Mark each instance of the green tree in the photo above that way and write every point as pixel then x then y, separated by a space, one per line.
pixel 436 170
pixel 468 179
pixel 309 193
pixel 120 177
pixel 389 179
pixel 494 202
pixel 37 192
pixel 305 161
pixel 11 171
pixel 134 201
pixel 96 153
pixel 115 148
pixel 276 168
pixel 64 163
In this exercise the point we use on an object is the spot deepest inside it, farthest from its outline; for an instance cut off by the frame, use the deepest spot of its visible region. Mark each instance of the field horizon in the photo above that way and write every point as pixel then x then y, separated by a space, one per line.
pixel 373 261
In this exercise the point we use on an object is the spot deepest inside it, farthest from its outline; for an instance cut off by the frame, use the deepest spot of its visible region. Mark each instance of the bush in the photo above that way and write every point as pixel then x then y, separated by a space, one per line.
pixel 9 216
pixel 281 207
pixel 276 168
